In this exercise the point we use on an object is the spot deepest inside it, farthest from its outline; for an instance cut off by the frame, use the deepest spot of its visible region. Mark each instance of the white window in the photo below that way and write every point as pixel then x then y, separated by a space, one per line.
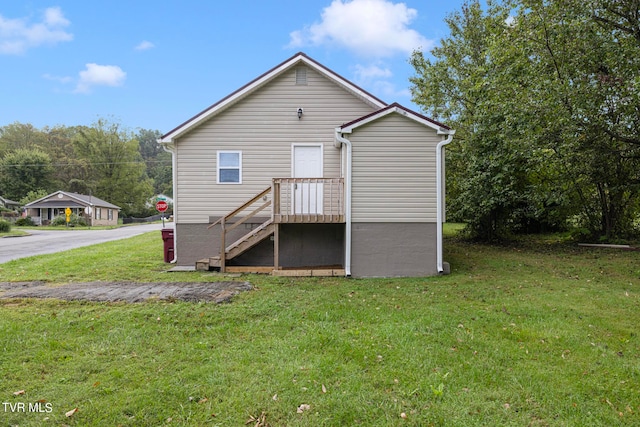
pixel 229 167
pixel 98 213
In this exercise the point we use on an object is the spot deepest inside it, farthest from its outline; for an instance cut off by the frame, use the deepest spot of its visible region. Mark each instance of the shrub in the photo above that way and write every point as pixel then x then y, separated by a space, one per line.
pixel 25 222
pixel 581 234
pixel 5 226
pixel 74 221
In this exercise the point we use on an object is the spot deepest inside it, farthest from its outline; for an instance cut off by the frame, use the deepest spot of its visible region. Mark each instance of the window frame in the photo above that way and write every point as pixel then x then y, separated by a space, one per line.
pixel 220 168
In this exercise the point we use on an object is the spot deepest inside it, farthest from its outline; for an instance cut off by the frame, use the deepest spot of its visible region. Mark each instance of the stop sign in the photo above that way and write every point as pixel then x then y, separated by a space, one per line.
pixel 161 205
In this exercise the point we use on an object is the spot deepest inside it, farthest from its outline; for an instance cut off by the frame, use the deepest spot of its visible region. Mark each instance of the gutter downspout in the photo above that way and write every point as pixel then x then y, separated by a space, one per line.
pixel 169 147
pixel 347 202
pixel 440 195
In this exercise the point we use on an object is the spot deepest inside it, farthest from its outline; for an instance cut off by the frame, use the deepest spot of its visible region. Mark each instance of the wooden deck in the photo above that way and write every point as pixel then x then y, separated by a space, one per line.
pixel 291 201
pixel 308 200
pixel 310 272
pixel 204 264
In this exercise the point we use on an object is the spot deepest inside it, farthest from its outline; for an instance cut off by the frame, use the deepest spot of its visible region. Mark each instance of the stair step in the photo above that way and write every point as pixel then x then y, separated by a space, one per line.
pixel 266 227
pixel 203 264
pixel 240 246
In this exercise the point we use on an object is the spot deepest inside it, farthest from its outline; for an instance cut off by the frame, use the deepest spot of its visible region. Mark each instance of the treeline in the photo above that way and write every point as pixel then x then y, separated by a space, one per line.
pixel 120 166
pixel 545 98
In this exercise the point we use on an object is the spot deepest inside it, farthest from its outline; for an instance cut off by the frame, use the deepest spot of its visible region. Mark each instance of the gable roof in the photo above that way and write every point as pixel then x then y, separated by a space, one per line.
pixel 7 202
pixel 79 199
pixel 399 109
pixel 260 81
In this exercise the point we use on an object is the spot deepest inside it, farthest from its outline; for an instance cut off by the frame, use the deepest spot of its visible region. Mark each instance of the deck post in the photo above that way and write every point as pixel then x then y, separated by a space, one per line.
pixel 276 247
pixel 223 245
pixel 275 195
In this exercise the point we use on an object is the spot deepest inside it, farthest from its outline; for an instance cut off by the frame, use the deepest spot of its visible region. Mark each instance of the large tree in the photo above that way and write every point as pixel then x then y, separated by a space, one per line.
pixel 17 135
pixel 71 172
pixel 581 101
pixel 25 170
pixel 116 170
pixel 158 161
pixel 545 96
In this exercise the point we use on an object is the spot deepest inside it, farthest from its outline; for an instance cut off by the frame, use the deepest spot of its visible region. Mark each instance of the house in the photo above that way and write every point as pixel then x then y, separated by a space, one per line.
pixel 302 172
pixel 9 209
pixel 8 204
pixel 95 211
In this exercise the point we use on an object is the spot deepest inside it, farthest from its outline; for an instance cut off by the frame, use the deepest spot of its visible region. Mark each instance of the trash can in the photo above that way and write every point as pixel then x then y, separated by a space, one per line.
pixel 167 237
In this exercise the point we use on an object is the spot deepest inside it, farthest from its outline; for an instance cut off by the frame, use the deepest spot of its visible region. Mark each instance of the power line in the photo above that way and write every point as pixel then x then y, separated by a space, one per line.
pixel 91 164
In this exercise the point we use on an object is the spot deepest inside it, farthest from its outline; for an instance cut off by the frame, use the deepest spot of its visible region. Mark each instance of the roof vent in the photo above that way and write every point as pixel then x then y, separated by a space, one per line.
pixel 301 76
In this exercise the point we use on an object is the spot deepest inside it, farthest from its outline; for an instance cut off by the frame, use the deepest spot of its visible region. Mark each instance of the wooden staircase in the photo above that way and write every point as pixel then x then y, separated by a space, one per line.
pixel 241 245
pixel 293 200
pixel 247 241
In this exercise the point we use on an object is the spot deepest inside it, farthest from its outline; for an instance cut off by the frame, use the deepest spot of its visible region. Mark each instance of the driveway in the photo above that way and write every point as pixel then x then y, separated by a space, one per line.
pixel 43 241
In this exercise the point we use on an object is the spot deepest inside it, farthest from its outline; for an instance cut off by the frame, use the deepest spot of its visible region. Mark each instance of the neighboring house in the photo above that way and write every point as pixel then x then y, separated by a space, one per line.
pixel 8 204
pixel 95 211
pixel 302 172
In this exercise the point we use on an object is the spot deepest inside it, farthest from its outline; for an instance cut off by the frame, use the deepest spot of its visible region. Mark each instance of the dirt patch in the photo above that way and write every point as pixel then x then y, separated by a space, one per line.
pixel 217 292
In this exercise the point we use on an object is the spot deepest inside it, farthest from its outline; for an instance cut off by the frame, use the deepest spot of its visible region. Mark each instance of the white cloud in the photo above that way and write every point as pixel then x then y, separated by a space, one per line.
pixel 375 28
pixel 145 45
pixel 510 21
pixel 60 79
pixel 53 17
pixel 100 75
pixel 390 90
pixel 18 35
pixel 377 77
pixel 370 72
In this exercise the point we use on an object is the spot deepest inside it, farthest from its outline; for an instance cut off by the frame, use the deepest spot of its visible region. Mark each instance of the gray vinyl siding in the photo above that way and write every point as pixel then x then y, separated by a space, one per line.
pixel 394 171
pixel 263 125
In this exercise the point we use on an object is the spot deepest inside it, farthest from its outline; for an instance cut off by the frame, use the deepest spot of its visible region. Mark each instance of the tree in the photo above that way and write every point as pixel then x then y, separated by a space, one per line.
pixel 158 161
pixel 545 95
pixel 70 171
pixel 582 102
pixel 24 170
pixel 32 196
pixel 488 176
pixel 116 170
pixel 19 135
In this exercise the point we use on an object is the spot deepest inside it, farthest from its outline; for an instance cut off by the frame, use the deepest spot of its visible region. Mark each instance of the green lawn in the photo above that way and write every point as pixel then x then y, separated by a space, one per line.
pixel 536 334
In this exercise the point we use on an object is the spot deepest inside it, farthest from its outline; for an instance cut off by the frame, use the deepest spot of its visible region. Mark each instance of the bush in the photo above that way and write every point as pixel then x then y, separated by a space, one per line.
pixel 581 234
pixel 25 222
pixel 5 226
pixel 74 221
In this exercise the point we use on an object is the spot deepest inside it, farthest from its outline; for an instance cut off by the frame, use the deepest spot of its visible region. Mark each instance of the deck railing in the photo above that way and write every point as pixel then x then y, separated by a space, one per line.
pixel 227 228
pixel 308 200
pixel 293 200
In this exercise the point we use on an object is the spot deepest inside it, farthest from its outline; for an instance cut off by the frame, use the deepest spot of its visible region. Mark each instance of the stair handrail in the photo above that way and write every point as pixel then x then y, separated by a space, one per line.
pixel 243 207
pixel 222 221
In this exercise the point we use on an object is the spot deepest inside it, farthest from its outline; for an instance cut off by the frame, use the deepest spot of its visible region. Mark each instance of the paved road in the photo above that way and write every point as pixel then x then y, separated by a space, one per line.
pixel 44 241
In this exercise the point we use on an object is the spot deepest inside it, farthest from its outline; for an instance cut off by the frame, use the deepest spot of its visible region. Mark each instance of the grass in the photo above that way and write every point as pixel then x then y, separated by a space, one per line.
pixel 13 233
pixel 536 334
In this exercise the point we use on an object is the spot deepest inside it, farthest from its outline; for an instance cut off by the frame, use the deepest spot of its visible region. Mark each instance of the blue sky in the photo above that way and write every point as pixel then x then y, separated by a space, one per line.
pixel 154 64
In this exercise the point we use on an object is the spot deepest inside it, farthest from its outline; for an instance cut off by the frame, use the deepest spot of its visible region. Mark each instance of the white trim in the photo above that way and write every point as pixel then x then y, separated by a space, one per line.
pixel 312 144
pixel 347 201
pixel 440 196
pixel 239 167
pixel 387 111
pixel 235 96
pixel 303 194
pixel 170 148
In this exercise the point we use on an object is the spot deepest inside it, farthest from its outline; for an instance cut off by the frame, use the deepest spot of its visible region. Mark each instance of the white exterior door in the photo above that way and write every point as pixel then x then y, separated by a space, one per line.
pixel 307 195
